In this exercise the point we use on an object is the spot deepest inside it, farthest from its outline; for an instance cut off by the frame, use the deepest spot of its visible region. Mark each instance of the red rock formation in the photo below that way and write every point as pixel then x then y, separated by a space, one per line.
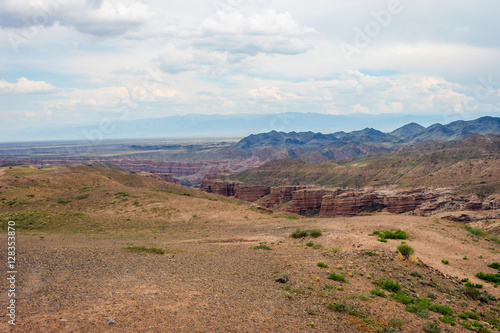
pixel 403 203
pixel 347 203
pixel 307 200
pixel 279 195
pixel 251 193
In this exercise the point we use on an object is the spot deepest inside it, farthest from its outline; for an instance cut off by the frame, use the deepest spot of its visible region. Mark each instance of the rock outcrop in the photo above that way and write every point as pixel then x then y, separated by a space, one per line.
pixel 328 202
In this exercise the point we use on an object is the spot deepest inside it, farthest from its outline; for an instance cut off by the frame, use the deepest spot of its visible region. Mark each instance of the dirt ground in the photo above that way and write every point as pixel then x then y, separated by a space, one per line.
pixel 72 282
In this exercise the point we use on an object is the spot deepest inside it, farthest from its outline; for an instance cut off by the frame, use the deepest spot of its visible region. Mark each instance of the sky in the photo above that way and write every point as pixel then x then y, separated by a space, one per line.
pixel 89 61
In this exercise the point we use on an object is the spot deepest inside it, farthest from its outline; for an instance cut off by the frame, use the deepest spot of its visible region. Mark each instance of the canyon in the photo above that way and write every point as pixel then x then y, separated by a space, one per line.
pixel 330 202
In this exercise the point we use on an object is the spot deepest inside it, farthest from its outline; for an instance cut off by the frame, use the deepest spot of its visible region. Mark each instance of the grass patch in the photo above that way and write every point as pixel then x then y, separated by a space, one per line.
pixel 142 249
pixel 390 234
pixel 481 233
pixel 322 264
pixel 334 249
pixel 310 244
pixel 262 246
pixel 337 277
pixel 122 194
pixel 315 233
pixel 431 327
pixel 416 274
pixel 83 196
pixel 299 233
pixel 389 285
pixel 489 277
pixel 62 201
pixel 495 265
pixel 378 292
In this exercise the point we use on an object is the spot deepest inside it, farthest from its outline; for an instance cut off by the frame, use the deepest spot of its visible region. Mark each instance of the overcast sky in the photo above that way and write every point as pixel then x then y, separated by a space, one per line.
pixel 83 61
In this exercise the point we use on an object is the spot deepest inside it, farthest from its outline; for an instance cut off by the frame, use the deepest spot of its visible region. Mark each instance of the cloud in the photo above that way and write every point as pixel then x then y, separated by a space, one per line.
pixel 252 28
pixel 94 17
pixel 25 86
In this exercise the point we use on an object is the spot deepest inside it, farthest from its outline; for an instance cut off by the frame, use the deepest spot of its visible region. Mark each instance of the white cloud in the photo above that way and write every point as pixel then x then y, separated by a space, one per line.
pixel 25 86
pixel 94 17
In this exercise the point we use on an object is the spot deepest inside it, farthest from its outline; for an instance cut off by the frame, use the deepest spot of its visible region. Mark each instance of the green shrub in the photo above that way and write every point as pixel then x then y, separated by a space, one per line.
pixel 489 277
pixel 310 244
pixel 495 265
pixel 315 233
pixel 446 262
pixel 405 250
pixel 388 285
pixel 83 196
pixel 299 233
pixel 467 315
pixel 448 320
pixel 388 234
pixel 442 309
pixel 475 285
pixel 378 292
pixel 322 264
pixel 337 277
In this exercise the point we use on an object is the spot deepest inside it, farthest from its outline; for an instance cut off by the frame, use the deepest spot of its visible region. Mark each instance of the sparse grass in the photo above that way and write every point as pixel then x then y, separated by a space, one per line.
pixel 122 194
pixel 83 196
pixel 396 323
pixel 337 277
pixel 62 201
pixel 405 250
pixel 334 249
pixel 431 327
pixel 315 233
pixel 262 246
pixel 371 254
pixel 481 233
pixel 416 274
pixel 378 292
pixel 389 285
pixel 142 249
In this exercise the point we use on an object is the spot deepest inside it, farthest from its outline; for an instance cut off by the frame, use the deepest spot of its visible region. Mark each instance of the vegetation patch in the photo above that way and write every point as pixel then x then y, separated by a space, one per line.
pixel 489 277
pixel 391 234
pixel 337 277
pixel 142 249
pixel 262 246
pixel 482 233
pixel 405 250
pixel 315 233
pixel 322 264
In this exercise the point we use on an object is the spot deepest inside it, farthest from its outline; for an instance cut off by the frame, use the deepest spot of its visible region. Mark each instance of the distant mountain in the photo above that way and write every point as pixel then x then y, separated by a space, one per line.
pixel 240 125
pixel 471 164
pixel 315 147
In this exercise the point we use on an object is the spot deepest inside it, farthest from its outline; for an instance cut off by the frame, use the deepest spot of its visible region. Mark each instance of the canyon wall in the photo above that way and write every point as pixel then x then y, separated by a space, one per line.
pixel 330 202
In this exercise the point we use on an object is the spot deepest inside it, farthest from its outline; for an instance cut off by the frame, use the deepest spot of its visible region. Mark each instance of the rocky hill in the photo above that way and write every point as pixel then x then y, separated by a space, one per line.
pixel 99 249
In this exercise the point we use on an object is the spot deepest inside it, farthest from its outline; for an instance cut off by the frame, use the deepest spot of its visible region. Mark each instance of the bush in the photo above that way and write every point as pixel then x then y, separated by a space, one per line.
pixel 406 250
pixel 495 265
pixel 322 264
pixel 299 233
pixel 337 277
pixel 489 277
pixel 442 309
pixel 388 234
pixel 416 274
pixel 475 285
pixel 388 285
pixel 448 320
pixel 315 233
pixel 446 262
